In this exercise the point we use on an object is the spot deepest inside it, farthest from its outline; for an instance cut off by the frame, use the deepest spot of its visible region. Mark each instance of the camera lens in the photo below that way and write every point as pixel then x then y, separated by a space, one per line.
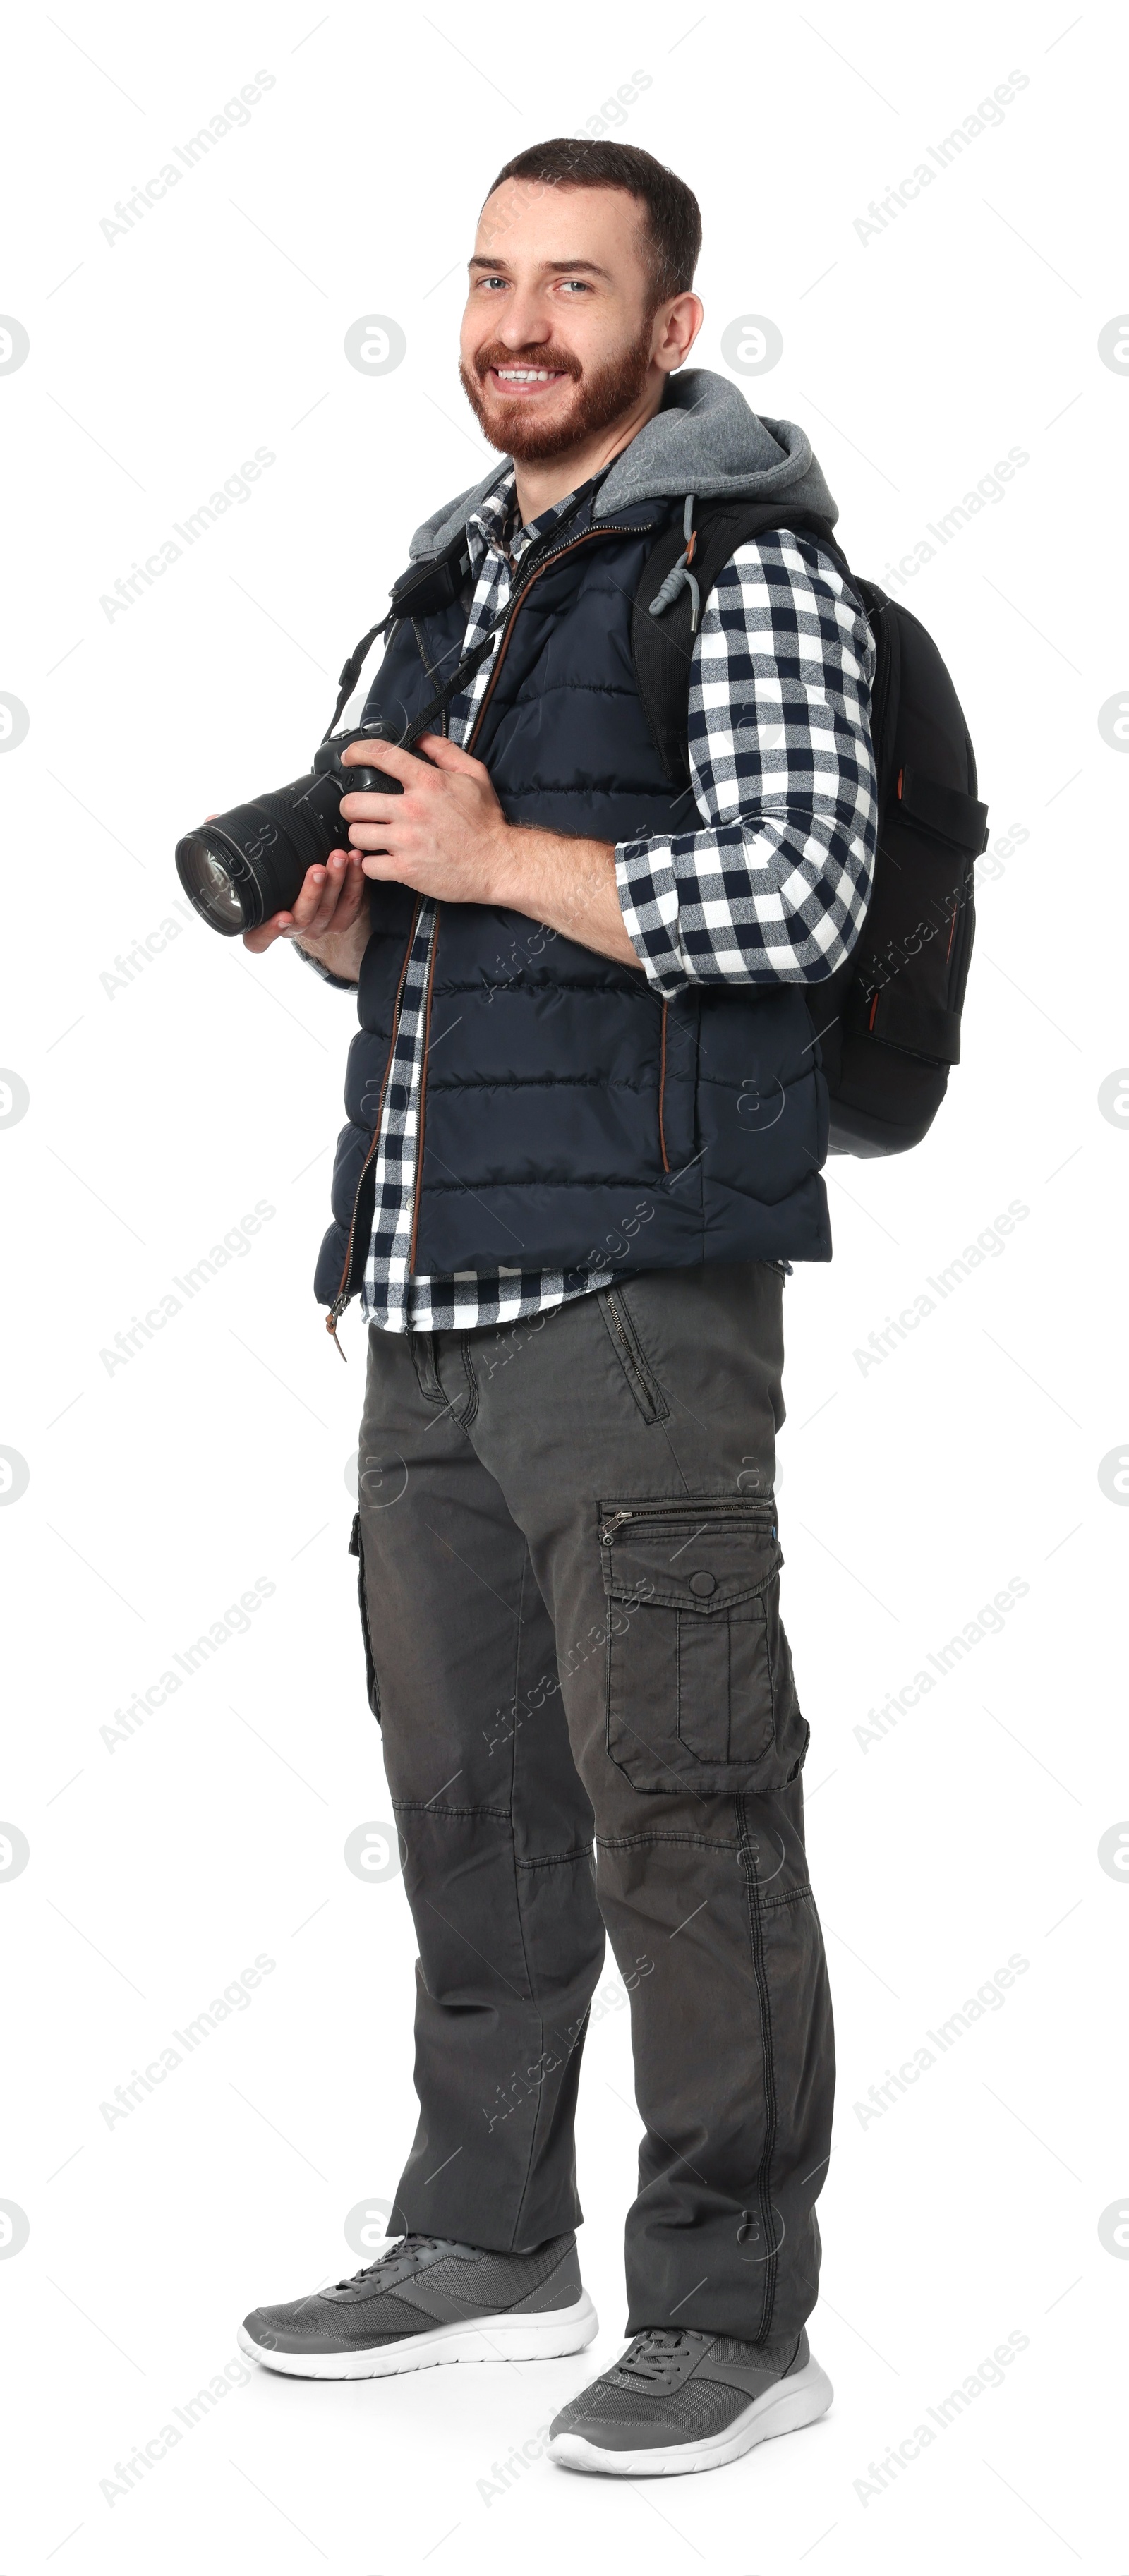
pixel 249 863
pixel 242 867
pixel 210 884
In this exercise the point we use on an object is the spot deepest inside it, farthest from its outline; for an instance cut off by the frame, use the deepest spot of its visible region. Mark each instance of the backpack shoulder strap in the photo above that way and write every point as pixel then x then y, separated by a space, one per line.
pixel 662 644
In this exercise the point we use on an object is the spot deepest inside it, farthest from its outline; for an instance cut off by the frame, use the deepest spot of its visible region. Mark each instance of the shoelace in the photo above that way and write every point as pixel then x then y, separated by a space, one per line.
pixel 406 2246
pixel 654 2354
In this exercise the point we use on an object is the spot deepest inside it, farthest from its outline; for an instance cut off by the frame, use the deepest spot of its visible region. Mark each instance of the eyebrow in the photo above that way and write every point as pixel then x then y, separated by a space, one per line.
pixel 556 267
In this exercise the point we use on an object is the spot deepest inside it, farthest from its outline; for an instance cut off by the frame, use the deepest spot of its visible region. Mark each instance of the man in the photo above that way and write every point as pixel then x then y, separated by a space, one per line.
pixel 585 1128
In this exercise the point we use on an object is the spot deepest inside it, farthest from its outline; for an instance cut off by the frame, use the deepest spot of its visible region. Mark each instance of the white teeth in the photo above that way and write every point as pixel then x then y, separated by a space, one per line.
pixel 525 375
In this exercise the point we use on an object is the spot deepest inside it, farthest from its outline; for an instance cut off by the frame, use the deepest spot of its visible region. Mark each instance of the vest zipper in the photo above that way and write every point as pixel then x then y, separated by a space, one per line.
pixel 344 1292
pixel 585 537
pixel 522 594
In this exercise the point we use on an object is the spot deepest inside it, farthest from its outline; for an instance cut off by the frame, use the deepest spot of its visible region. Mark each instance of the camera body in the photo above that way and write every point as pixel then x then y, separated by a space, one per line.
pixel 328 763
pixel 244 866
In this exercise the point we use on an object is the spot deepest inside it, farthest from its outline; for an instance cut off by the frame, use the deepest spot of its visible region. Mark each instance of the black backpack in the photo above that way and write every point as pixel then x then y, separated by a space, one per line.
pixel 888 1022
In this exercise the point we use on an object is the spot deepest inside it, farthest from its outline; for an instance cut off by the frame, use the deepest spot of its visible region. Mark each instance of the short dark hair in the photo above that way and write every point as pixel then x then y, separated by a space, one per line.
pixel 672 218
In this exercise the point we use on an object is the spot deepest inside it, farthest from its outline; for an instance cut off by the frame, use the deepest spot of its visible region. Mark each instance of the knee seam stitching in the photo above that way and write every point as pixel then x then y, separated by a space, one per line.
pixel 678 1838
pixel 755 1903
pixel 533 1996
pixel 430 1807
pixel 553 1860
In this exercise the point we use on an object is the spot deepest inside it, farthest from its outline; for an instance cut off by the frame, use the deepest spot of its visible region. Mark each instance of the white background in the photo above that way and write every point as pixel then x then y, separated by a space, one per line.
pixel 163 1108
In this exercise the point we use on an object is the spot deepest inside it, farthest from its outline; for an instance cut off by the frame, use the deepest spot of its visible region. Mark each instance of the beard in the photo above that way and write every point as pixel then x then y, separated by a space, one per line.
pixel 601 396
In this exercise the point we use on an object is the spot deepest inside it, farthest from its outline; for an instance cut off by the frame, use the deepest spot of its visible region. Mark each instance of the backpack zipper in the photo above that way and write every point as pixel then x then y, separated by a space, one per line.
pixel 881 690
pixel 960 940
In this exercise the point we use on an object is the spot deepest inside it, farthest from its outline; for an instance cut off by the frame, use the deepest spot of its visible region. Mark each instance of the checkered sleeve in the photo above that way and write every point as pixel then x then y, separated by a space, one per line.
pixel 340 983
pixel 774 888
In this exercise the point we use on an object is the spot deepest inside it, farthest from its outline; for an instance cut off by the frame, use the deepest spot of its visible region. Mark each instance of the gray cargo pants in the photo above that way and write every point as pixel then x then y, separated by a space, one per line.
pixel 569 1587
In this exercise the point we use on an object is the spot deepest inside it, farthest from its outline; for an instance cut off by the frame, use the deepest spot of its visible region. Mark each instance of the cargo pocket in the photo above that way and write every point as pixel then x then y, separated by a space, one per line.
pixel 356 1549
pixel 700 1692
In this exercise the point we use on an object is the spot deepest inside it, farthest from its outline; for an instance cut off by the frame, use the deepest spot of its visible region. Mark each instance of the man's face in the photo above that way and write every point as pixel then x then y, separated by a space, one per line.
pixel 559 334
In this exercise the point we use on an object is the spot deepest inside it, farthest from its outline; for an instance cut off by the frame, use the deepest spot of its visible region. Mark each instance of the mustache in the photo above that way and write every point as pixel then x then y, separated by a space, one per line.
pixel 557 361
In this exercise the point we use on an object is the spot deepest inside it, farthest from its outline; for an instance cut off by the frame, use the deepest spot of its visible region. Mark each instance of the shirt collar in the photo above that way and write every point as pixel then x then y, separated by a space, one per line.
pixel 491 525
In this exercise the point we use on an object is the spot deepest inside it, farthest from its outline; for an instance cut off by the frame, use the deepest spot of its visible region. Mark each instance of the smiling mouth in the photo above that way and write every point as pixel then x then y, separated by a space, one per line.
pixel 526 380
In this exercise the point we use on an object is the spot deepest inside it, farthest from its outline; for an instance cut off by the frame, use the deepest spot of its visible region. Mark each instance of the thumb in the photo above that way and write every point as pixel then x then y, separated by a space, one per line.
pixel 267 933
pixel 445 754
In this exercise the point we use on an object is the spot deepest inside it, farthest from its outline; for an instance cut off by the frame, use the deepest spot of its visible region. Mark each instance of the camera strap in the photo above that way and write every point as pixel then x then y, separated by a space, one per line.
pixel 423 723
pixel 408 600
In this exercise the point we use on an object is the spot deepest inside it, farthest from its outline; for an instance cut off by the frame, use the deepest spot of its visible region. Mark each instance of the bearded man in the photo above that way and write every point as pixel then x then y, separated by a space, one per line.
pixel 586 1120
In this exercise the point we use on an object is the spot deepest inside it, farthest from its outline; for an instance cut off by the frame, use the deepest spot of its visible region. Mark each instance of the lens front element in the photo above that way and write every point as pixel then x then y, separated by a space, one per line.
pixel 216 882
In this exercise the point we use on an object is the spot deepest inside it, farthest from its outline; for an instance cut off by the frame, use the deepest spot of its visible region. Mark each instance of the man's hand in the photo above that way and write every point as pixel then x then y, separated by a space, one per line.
pixel 447 836
pixel 330 917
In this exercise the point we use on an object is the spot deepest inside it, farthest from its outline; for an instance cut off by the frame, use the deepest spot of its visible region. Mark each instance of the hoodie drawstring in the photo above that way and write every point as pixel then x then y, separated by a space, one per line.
pixel 681 575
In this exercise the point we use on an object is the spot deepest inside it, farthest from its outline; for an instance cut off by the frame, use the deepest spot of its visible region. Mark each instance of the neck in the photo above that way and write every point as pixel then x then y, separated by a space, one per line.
pixel 552 478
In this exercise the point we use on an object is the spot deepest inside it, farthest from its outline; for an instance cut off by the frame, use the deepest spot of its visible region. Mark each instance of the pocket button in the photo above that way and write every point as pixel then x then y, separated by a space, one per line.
pixel 703 1584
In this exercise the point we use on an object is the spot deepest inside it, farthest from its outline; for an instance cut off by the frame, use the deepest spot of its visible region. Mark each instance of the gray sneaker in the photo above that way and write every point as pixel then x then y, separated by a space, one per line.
pixel 429 2300
pixel 678 2402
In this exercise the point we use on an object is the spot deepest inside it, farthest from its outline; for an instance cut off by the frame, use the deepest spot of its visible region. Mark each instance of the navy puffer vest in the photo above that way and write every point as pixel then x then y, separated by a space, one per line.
pixel 571 1117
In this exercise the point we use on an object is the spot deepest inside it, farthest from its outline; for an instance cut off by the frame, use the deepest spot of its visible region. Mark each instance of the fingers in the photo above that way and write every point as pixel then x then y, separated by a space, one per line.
pixel 375 836
pixel 376 840
pixel 447 755
pixel 377 754
pixel 330 898
pixel 351 894
pixel 315 909
pixel 373 808
pixel 422 788
pixel 433 747
pixel 316 905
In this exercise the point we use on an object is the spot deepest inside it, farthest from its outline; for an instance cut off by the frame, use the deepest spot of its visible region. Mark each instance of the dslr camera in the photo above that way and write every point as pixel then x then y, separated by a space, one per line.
pixel 244 866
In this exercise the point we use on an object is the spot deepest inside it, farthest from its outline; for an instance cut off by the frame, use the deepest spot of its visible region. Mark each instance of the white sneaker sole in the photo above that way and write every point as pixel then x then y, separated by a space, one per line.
pixel 506 2338
pixel 793 2402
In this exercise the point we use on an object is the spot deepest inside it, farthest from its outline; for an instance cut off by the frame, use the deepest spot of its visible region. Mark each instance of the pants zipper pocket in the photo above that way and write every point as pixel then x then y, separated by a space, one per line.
pixel 714 1510
pixel 644 1385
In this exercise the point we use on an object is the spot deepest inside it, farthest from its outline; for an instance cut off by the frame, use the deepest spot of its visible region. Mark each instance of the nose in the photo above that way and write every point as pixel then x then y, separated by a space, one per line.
pixel 527 324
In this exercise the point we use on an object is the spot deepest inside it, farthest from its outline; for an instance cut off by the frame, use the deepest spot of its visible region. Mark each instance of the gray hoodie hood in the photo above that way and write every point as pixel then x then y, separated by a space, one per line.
pixel 705 440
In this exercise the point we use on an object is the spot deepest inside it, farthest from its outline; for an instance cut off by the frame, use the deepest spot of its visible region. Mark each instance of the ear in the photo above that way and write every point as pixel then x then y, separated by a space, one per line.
pixel 681 320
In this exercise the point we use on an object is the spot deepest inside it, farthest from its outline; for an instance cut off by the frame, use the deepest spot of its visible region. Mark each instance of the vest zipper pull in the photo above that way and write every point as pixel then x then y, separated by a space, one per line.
pixel 331 1323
